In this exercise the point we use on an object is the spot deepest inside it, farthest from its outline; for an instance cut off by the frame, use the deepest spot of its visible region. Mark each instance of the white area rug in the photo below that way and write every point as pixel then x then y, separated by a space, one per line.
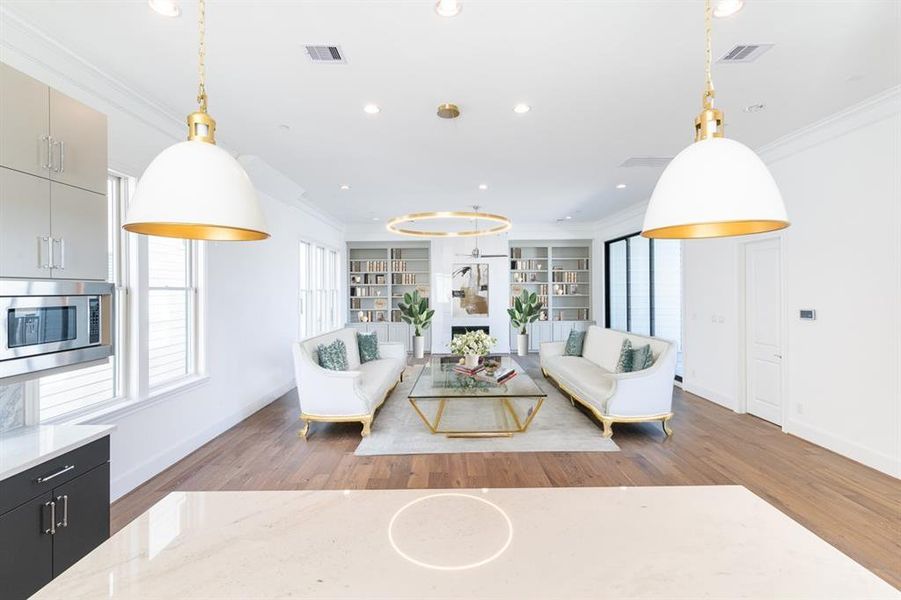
pixel 558 427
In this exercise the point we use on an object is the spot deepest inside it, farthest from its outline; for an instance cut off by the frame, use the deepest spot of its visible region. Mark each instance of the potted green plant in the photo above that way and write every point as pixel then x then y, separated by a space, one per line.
pixel 415 311
pixel 472 345
pixel 526 309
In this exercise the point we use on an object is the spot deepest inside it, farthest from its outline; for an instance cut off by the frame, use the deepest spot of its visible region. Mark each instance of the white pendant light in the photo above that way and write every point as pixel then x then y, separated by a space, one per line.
pixel 194 189
pixel 716 187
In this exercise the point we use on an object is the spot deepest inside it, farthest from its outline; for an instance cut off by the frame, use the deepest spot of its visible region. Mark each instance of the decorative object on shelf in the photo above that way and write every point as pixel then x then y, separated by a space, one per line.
pixel 716 187
pixel 362 317
pixel 471 346
pixel 194 189
pixel 396 225
pixel 415 311
pixel 380 304
pixel 526 309
pixel 470 290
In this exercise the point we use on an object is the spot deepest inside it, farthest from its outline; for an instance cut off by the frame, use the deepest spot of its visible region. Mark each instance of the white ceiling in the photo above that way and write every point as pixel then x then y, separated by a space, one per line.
pixel 607 80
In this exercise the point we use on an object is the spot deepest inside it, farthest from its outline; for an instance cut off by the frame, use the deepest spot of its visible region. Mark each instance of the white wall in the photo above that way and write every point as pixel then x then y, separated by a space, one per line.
pixel 841 180
pixel 251 288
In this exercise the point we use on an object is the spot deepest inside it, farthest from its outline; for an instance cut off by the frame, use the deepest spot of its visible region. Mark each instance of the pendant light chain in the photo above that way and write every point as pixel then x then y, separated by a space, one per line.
pixel 201 67
pixel 708 55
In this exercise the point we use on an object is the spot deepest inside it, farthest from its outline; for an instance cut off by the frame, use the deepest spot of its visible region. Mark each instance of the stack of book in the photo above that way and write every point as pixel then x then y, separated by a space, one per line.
pixel 467 371
pixel 504 376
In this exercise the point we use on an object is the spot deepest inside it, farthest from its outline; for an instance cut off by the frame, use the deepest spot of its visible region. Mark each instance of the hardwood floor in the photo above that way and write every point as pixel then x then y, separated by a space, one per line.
pixel 854 508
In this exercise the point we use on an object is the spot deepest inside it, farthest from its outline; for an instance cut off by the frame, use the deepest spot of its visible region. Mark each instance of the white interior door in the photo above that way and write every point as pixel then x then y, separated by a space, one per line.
pixel 763 302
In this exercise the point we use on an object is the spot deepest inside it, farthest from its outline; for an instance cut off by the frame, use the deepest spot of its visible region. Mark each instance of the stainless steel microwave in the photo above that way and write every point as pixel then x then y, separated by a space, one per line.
pixel 50 324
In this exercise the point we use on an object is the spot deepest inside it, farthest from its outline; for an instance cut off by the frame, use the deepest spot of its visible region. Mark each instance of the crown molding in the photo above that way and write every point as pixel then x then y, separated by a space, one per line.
pixel 873 109
pixel 24 45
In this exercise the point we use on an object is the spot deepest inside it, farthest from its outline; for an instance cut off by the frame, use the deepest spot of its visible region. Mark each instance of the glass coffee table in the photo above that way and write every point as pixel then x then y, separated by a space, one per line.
pixel 459 405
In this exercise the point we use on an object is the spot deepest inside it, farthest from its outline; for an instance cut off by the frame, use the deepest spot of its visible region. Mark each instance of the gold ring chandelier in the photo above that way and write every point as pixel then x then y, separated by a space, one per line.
pixel 400 225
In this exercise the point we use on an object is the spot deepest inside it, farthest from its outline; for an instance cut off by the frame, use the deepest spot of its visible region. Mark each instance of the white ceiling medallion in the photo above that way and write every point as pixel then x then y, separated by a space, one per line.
pixel 716 187
pixel 448 8
pixel 194 189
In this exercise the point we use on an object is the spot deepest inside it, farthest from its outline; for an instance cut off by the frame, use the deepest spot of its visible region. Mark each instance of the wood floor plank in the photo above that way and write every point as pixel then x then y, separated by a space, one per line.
pixel 854 508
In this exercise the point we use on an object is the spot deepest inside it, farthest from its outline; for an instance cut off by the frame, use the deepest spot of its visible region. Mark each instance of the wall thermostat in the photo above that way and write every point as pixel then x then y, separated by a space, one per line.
pixel 808 314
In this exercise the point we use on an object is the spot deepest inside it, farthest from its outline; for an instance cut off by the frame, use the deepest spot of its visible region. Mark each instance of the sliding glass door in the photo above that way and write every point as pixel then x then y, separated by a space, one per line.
pixel 643 291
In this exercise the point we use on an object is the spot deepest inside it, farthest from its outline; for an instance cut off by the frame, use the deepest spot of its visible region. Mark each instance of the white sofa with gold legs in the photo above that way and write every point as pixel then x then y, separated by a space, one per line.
pixel 592 380
pixel 343 396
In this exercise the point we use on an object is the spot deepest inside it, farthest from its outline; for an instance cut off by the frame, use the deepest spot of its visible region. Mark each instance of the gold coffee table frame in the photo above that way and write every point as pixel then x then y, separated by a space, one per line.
pixel 521 424
pixel 524 388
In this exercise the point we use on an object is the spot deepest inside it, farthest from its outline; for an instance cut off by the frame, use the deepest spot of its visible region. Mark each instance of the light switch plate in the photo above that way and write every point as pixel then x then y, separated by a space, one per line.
pixel 808 314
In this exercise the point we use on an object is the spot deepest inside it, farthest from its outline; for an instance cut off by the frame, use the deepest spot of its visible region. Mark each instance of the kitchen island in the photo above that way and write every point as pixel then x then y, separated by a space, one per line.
pixel 717 541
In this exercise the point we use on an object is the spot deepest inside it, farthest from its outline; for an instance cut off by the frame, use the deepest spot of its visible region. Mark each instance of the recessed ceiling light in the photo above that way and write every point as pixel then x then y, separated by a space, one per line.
pixel 448 8
pixel 345 187
pixel 727 8
pixel 375 218
pixel 483 186
pixel 753 108
pixel 621 186
pixel 521 109
pixel 372 109
pixel 167 8
pixel 567 217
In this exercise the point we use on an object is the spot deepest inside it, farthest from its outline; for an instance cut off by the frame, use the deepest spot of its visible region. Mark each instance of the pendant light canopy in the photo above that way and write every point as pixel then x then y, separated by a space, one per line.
pixel 194 189
pixel 716 187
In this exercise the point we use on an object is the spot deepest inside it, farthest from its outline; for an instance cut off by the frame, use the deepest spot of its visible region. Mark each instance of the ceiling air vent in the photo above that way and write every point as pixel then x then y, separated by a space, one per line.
pixel 655 162
pixel 325 54
pixel 744 53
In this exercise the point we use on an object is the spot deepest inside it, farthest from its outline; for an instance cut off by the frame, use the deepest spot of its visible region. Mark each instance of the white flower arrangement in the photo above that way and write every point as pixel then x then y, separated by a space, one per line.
pixel 472 343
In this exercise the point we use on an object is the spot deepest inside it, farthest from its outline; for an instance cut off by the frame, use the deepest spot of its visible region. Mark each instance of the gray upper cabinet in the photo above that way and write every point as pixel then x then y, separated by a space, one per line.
pixel 24 225
pixel 53 177
pixel 24 123
pixel 78 144
pixel 78 246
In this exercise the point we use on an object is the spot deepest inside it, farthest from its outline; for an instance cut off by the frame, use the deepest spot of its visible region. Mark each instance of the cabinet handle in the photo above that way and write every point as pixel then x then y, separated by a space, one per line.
pixel 49 141
pixel 52 529
pixel 44 478
pixel 62 157
pixel 65 502
pixel 42 239
pixel 62 253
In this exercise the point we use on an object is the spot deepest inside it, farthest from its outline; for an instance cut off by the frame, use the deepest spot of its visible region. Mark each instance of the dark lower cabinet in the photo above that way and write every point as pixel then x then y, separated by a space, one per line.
pixel 26 552
pixel 66 519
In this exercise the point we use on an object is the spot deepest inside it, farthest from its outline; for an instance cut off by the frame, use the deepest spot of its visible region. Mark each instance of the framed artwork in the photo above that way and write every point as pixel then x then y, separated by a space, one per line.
pixel 470 290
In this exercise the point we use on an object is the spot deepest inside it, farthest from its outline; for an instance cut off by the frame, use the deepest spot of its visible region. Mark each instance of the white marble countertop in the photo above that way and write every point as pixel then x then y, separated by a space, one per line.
pixel 26 447
pixel 647 542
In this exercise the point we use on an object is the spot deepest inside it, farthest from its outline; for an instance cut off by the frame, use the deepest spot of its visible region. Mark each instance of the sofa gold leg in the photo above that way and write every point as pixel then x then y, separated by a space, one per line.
pixel 367 428
pixel 666 428
pixel 608 428
pixel 572 401
pixel 544 373
pixel 302 433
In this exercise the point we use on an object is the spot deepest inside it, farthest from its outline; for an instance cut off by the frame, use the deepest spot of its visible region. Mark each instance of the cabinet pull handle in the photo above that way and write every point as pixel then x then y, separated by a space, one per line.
pixel 62 157
pixel 65 502
pixel 49 141
pixel 44 478
pixel 52 529
pixel 62 253
pixel 42 263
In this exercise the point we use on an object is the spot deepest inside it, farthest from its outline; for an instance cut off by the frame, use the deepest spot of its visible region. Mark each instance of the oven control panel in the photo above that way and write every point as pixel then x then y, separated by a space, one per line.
pixel 94 320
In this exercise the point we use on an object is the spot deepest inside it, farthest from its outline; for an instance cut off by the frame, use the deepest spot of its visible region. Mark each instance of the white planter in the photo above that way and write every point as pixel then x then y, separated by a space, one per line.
pixel 418 346
pixel 522 344
pixel 471 361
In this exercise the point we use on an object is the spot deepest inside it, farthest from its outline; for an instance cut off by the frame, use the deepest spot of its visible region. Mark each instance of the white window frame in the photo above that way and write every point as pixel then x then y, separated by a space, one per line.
pixel 318 309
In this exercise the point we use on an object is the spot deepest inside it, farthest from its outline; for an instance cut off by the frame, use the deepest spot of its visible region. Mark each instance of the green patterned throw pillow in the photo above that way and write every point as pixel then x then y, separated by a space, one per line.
pixel 642 358
pixel 333 356
pixel 574 343
pixel 368 343
pixel 624 364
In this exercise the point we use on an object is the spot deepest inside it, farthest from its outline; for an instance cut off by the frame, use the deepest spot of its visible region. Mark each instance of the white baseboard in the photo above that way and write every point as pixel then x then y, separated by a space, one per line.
pixel 871 458
pixel 157 463
pixel 710 395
